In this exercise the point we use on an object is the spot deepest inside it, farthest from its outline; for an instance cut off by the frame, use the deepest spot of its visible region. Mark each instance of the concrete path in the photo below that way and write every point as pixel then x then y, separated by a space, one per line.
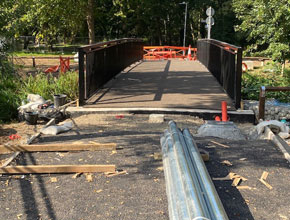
pixel 163 84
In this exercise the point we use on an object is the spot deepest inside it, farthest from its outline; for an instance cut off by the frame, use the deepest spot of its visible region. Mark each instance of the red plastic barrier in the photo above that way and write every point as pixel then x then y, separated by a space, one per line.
pixel 168 52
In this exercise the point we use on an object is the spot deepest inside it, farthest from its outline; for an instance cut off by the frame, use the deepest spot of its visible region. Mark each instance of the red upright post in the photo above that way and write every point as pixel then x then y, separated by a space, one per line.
pixel 224 111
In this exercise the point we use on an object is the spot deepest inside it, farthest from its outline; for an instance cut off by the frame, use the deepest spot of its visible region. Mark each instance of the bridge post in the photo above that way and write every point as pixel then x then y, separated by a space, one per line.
pixel 238 86
pixel 81 77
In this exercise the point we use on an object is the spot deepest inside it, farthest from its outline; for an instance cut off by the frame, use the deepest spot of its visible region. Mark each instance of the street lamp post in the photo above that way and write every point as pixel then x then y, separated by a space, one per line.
pixel 185 16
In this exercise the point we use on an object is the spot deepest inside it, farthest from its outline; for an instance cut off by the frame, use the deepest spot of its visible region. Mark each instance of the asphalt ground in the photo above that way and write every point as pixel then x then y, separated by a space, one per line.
pixel 140 194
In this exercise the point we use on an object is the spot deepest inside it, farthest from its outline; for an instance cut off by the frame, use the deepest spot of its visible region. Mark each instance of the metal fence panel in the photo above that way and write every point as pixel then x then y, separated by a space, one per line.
pixel 99 63
pixel 224 61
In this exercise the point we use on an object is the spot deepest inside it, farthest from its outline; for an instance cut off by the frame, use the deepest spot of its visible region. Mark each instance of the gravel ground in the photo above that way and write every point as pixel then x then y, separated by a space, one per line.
pixel 140 194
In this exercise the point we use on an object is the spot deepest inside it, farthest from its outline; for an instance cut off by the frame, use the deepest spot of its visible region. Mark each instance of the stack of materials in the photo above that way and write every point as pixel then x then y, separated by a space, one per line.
pixel 190 191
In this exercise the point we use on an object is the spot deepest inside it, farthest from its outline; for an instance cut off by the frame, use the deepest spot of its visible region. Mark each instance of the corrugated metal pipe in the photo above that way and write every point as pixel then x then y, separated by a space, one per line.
pixel 190 192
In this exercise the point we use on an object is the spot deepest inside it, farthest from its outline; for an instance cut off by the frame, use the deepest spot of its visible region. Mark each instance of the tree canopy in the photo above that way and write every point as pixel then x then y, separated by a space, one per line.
pixel 266 26
pixel 261 26
pixel 159 22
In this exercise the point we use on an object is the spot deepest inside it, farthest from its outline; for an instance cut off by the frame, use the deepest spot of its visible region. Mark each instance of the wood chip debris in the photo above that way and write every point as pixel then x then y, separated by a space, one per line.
pixel 263 180
pixel 76 175
pixel 160 168
pixel 113 152
pixel 247 201
pixel 219 144
pixel 157 156
pixel 89 177
pixel 242 159
pixel 244 187
pixel 227 163
pixel 237 179
pixel 117 173
pixel 53 180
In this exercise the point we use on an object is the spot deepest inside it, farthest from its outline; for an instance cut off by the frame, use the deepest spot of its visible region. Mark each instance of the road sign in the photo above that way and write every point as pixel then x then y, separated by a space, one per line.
pixel 210 11
pixel 209 20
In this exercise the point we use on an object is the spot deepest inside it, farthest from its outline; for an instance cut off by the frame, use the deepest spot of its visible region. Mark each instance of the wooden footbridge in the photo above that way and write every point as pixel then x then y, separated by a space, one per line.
pixel 114 76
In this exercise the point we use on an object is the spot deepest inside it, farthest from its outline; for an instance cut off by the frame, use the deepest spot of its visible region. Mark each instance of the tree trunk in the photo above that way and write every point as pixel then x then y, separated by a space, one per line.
pixel 90 21
pixel 283 67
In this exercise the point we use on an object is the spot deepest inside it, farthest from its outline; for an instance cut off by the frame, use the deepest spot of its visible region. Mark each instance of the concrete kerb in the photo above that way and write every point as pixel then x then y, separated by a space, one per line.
pixel 240 116
pixel 279 142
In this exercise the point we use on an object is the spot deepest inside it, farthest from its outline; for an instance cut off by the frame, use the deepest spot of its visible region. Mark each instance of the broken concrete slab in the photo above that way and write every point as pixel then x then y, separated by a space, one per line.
pixel 226 130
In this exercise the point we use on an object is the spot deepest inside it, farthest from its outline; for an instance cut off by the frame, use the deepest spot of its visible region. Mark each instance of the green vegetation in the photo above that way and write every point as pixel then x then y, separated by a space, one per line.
pixel 267 76
pixel 13 90
pixel 160 22
pixel 47 86
pixel 9 100
pixel 265 26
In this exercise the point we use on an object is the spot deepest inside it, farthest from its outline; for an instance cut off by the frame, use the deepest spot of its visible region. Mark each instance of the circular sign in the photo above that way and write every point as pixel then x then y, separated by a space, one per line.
pixel 207 21
pixel 210 11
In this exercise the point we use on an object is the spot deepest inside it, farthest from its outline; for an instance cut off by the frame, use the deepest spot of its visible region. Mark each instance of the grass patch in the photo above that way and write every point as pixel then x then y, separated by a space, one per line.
pixel 39 54
pixel 267 76
pixel 46 85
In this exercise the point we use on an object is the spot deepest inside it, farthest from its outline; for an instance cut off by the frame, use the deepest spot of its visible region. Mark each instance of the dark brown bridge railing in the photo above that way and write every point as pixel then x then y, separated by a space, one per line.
pixel 98 63
pixel 224 61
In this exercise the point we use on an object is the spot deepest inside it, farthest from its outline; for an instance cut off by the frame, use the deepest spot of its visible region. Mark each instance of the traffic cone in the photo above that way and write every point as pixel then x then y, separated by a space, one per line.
pixel 189 53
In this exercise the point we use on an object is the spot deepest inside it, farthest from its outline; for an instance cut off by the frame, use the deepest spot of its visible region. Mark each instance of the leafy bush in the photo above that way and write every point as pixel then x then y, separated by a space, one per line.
pixel 67 83
pixel 9 101
pixel 269 76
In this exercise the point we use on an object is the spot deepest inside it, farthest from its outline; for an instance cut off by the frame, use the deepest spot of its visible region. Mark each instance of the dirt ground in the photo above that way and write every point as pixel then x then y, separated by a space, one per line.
pixel 139 194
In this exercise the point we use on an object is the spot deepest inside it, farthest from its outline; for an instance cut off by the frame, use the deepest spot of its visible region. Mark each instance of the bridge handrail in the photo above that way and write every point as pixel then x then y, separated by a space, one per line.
pixel 224 61
pixel 101 45
pixel 222 44
pixel 99 63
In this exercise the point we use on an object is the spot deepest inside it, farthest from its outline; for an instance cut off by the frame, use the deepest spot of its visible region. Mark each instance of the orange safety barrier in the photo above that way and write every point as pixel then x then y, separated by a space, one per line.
pixel 168 52
pixel 64 66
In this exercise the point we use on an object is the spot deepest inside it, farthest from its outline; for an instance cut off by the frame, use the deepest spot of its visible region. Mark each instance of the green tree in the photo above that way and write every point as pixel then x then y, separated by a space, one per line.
pixel 266 25
pixel 48 19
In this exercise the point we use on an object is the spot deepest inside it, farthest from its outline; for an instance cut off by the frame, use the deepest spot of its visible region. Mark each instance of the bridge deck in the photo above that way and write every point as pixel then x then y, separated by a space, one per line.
pixel 162 84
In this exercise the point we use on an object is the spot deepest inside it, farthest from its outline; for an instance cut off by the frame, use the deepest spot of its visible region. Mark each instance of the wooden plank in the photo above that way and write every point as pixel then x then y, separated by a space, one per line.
pixel 57 169
pixel 264 175
pixel 10 159
pixel 6 149
pixel 266 184
pixel 219 144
